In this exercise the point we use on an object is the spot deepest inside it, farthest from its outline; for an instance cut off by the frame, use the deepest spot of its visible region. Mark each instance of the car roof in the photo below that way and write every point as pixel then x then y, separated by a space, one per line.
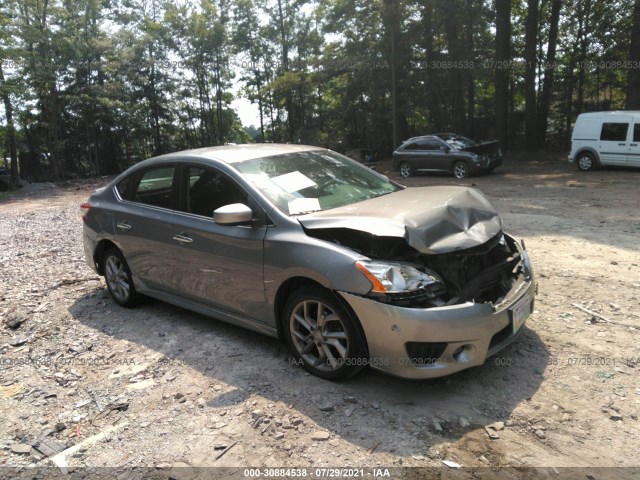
pixel 612 113
pixel 239 153
pixel 421 136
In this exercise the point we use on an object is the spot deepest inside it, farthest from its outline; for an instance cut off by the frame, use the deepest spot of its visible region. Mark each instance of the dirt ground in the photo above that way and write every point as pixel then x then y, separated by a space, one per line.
pixel 171 389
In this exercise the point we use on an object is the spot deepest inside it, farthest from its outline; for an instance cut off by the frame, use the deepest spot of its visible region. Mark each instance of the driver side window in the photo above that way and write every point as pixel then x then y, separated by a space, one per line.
pixel 208 189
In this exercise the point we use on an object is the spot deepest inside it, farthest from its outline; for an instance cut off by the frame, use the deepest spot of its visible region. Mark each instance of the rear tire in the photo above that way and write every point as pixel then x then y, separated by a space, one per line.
pixel 118 277
pixel 323 335
pixel 586 162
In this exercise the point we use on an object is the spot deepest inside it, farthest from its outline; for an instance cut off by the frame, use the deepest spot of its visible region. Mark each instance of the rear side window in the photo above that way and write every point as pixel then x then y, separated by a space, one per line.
pixel 636 132
pixel 614 132
pixel 156 187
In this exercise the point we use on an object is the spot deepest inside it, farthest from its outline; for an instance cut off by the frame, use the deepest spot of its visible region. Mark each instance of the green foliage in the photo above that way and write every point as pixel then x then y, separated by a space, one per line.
pixel 98 85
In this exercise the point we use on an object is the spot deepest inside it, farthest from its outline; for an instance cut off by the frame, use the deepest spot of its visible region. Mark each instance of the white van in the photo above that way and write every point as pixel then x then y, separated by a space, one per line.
pixel 606 138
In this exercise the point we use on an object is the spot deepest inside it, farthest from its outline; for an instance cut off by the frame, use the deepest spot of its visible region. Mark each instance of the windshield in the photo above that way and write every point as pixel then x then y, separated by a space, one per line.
pixel 304 182
pixel 458 141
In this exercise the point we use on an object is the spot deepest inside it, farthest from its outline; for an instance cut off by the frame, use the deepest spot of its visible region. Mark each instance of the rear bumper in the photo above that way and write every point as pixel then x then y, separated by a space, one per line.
pixel 463 335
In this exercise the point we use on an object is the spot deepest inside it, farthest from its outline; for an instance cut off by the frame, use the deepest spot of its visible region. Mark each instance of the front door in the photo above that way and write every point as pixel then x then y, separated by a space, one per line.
pixel 614 144
pixel 221 265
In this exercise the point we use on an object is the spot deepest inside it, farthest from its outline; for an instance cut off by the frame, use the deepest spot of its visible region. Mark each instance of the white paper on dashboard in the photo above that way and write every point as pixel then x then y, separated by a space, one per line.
pixel 293 182
pixel 303 205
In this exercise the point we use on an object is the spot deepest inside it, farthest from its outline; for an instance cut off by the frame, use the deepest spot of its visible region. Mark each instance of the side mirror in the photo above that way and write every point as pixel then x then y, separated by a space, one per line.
pixel 233 214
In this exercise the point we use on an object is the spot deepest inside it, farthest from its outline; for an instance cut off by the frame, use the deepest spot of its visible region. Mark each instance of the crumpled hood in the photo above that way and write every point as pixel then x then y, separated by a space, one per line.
pixel 433 220
pixel 484 147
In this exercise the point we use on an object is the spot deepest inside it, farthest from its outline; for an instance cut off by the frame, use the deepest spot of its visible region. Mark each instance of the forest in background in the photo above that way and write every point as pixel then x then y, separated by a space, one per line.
pixel 89 87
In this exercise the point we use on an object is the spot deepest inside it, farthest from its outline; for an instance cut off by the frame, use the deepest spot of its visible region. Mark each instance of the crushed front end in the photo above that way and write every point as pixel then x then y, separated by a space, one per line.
pixel 488 296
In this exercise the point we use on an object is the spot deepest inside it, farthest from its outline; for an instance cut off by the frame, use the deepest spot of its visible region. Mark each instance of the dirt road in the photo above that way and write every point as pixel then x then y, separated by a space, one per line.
pixel 181 389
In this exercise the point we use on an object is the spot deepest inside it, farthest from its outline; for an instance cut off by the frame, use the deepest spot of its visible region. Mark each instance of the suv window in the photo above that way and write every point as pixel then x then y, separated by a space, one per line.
pixel 636 132
pixel 209 189
pixel 156 187
pixel 614 132
pixel 435 145
pixel 424 144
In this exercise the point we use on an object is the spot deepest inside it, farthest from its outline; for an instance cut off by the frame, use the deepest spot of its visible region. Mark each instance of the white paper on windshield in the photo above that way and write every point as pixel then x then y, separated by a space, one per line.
pixel 303 205
pixel 293 182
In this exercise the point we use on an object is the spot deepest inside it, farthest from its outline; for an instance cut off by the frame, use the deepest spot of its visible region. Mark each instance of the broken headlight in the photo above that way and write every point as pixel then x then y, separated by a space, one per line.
pixel 400 279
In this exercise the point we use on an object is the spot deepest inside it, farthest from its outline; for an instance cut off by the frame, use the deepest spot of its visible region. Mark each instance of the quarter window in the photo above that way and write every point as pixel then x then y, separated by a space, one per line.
pixel 636 132
pixel 209 189
pixel 125 187
pixel 614 132
pixel 156 187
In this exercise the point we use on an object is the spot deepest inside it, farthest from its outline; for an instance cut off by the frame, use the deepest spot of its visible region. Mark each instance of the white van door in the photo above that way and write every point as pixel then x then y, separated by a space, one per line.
pixel 614 141
pixel 633 156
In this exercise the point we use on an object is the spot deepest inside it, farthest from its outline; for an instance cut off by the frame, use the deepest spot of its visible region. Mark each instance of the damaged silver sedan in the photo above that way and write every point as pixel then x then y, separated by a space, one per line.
pixel 349 268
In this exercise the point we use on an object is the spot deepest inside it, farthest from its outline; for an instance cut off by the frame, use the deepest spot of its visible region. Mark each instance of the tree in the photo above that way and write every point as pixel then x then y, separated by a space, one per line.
pixel 633 75
pixel 502 61
pixel 530 60
pixel 549 72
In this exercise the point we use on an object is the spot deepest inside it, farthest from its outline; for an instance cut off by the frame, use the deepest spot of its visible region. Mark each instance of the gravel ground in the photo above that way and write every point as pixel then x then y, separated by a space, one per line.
pixel 169 388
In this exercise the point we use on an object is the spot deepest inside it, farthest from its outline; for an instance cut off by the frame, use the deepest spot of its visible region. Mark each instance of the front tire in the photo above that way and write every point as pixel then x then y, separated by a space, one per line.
pixel 406 170
pixel 461 170
pixel 586 162
pixel 323 335
pixel 118 277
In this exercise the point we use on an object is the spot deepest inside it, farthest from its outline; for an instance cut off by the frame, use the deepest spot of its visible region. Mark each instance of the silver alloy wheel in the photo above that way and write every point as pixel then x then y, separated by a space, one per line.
pixel 405 170
pixel 319 335
pixel 117 278
pixel 460 170
pixel 585 162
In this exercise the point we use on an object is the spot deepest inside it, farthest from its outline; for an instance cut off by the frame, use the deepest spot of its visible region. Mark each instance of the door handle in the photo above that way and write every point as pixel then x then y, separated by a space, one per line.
pixel 182 238
pixel 123 226
pixel 622 144
pixel 633 145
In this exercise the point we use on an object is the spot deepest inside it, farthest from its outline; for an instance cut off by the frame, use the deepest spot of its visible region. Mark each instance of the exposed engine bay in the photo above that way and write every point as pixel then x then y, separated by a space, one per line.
pixel 481 274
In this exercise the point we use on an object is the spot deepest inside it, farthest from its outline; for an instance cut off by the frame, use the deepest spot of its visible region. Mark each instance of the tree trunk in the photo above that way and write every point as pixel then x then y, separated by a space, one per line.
pixel 503 57
pixel 11 133
pixel 531 42
pixel 549 71
pixel 455 74
pixel 471 85
pixel 583 37
pixel 633 75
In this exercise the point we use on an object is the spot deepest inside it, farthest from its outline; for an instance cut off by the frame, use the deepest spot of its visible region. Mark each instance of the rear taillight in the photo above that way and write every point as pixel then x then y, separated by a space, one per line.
pixel 84 209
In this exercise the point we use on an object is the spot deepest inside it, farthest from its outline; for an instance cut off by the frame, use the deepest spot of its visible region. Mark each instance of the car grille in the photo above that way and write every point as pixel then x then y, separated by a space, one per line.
pixel 425 353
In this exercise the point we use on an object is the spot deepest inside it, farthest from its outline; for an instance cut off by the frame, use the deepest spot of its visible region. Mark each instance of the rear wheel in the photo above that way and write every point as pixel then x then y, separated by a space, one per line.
pixel 461 170
pixel 406 170
pixel 586 162
pixel 323 334
pixel 118 277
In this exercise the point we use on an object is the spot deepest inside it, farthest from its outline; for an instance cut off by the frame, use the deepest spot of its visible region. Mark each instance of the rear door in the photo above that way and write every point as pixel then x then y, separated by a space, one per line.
pixel 142 223
pixel 221 265
pixel 614 141
pixel 633 156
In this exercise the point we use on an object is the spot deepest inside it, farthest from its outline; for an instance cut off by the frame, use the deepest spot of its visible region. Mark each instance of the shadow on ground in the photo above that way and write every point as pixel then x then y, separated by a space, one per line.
pixel 253 364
